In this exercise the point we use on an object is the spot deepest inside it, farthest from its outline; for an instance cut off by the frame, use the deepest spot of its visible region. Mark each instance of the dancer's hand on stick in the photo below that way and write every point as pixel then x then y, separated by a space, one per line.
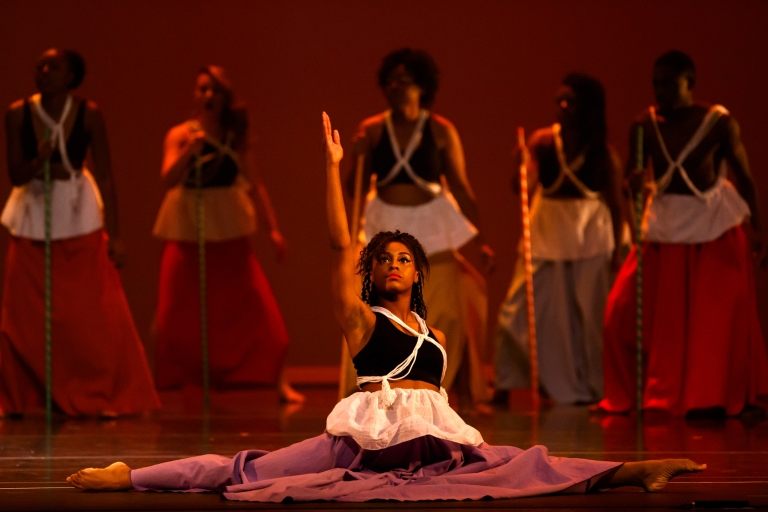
pixel 333 151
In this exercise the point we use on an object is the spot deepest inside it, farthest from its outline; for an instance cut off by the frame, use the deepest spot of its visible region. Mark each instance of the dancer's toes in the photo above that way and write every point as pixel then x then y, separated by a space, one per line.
pixel 662 471
pixel 115 477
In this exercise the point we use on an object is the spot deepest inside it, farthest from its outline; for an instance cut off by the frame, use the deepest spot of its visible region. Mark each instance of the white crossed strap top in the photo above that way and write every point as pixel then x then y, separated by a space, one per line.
pixel 402 163
pixel 388 395
pixel 76 204
pixel 392 416
pixel 568 229
pixel 221 148
pixel 568 170
pixel 702 216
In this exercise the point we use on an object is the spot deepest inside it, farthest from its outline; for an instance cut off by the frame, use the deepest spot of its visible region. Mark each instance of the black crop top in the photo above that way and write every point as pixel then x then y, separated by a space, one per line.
pixel 77 142
pixel 221 167
pixel 426 160
pixel 389 346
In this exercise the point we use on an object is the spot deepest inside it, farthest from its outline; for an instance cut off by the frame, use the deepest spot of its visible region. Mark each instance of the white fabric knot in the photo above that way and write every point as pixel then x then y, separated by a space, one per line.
pixel 387 394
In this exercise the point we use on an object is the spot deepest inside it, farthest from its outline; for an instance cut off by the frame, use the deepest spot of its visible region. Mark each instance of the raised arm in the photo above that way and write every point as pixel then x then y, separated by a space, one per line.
pixel 355 317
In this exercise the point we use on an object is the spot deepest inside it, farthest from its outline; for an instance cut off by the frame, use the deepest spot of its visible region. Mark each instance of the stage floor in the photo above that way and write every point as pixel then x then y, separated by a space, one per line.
pixel 736 451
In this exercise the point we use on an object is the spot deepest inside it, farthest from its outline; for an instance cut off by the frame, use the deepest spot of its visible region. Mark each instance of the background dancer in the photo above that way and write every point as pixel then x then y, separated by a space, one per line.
pixel 434 456
pixel 701 337
pixel 576 225
pixel 99 365
pixel 422 188
pixel 248 338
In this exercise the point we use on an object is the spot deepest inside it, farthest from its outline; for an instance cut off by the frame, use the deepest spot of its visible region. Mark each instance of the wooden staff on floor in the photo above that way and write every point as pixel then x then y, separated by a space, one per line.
pixel 200 215
pixel 534 358
pixel 639 165
pixel 47 186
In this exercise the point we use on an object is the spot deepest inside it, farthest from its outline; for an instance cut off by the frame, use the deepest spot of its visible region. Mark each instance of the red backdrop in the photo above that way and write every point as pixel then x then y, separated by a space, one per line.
pixel 501 62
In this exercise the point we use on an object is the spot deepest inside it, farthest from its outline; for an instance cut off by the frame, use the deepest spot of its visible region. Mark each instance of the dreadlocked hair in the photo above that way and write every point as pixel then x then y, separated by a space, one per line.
pixel 376 247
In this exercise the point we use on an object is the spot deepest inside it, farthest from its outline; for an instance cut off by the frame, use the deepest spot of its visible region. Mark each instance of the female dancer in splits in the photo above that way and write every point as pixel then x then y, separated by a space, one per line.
pixel 99 366
pixel 248 339
pixel 576 226
pixel 397 439
pixel 422 188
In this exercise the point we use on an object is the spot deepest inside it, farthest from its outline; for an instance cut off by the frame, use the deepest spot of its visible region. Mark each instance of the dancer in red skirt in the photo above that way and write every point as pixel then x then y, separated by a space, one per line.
pixel 397 439
pixel 248 339
pixel 703 348
pixel 99 366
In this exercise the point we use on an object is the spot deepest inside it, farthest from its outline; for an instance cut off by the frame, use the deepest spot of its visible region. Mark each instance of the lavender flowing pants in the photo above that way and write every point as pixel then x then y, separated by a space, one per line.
pixel 335 468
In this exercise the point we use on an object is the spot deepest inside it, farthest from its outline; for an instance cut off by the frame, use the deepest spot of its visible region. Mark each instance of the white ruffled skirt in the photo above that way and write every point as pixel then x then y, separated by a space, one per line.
pixel 690 219
pixel 438 225
pixel 76 208
pixel 414 413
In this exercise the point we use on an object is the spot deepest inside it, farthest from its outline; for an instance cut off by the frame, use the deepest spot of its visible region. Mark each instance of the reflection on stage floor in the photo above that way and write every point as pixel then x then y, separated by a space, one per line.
pixel 33 465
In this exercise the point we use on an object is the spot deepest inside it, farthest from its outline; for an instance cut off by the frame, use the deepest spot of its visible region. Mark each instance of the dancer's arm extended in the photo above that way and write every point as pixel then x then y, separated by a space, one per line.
pixel 356 319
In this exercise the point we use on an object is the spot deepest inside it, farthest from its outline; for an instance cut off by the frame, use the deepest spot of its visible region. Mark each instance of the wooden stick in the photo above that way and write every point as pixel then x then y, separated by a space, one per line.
pixel 200 214
pixel 47 191
pixel 354 227
pixel 639 165
pixel 532 345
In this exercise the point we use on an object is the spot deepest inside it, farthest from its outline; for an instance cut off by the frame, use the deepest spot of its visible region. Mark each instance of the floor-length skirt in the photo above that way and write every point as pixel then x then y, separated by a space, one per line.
pixel 569 300
pixel 336 468
pixel 702 343
pixel 247 338
pixel 98 359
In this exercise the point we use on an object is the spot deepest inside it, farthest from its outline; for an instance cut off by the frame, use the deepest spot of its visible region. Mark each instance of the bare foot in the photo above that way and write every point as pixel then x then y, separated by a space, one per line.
pixel 653 475
pixel 115 477
pixel 287 394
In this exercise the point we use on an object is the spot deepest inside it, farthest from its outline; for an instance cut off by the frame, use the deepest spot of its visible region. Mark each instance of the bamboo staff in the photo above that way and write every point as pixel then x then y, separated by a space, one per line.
pixel 200 214
pixel 47 186
pixel 357 198
pixel 532 345
pixel 639 165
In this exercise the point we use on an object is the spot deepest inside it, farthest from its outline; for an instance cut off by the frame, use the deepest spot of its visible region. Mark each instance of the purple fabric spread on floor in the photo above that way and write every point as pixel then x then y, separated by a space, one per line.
pixel 334 468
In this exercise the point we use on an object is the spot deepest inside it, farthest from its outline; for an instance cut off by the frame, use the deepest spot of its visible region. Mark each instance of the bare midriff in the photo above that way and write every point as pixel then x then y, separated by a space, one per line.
pixel 402 384
pixel 403 194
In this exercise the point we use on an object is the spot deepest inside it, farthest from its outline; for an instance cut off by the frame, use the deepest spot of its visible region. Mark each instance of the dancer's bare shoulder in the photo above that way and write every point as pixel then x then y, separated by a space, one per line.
pixel 15 114
pixel 439 336
pixel 370 129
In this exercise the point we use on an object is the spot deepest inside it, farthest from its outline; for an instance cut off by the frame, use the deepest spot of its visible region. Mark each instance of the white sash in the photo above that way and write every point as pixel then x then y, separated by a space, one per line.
pixel 387 393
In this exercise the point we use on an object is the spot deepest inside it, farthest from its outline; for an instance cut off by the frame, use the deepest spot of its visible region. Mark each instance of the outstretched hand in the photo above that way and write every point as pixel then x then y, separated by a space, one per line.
pixel 333 151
